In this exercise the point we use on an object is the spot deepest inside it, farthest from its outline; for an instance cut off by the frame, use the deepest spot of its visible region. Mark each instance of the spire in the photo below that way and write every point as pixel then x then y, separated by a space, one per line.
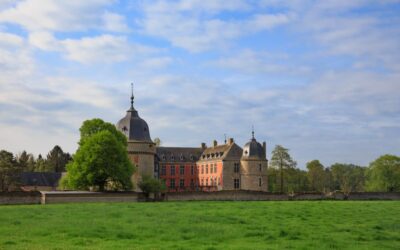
pixel 252 131
pixel 132 97
pixel 225 138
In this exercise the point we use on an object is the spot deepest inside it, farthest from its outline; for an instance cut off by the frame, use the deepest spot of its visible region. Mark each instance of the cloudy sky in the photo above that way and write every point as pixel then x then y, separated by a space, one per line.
pixel 321 78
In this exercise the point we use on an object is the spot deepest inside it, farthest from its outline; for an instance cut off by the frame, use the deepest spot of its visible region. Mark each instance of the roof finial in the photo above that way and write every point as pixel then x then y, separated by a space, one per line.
pixel 225 138
pixel 132 97
pixel 252 131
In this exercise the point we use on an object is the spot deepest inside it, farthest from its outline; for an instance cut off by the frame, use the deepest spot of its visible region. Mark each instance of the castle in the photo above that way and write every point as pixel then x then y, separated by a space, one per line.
pixel 218 167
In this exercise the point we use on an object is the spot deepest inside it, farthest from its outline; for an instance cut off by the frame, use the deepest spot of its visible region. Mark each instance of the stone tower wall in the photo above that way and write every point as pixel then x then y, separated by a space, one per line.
pixel 142 156
pixel 250 174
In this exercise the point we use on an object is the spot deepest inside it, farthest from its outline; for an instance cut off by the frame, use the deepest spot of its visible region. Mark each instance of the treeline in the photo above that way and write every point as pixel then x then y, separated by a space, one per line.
pixel 382 175
pixel 11 166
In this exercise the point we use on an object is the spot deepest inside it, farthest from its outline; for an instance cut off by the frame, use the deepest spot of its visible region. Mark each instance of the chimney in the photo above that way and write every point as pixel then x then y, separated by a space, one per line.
pixel 215 143
pixel 265 149
pixel 203 145
pixel 230 142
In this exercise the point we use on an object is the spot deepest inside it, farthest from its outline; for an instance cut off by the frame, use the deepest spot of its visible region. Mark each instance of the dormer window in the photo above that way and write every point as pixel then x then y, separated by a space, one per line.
pixel 191 157
pixel 163 157
pixel 181 157
pixel 172 157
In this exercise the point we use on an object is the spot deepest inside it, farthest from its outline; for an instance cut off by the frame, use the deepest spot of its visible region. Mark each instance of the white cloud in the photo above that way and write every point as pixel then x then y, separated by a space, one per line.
pixel 104 48
pixel 53 15
pixel 194 27
pixel 114 22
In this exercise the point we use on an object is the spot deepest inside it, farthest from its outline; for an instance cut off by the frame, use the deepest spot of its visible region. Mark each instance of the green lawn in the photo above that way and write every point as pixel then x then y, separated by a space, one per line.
pixel 203 225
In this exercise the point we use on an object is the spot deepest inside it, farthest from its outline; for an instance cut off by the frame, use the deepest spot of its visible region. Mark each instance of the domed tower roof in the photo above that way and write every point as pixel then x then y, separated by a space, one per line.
pixel 253 149
pixel 134 127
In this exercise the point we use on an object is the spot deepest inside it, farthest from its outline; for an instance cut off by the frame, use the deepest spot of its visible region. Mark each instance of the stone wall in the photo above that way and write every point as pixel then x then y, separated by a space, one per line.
pixel 15 198
pixel 77 196
pixel 242 195
pixel 50 197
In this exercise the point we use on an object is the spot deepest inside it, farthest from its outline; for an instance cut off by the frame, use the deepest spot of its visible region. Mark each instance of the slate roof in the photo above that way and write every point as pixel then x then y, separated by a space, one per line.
pixel 40 179
pixel 178 154
pixel 253 149
pixel 222 152
pixel 134 127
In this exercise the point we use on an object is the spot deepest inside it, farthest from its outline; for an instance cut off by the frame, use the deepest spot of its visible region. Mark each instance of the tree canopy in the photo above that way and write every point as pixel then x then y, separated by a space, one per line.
pixel 9 171
pixel 282 160
pixel 93 126
pixel 383 174
pixel 101 160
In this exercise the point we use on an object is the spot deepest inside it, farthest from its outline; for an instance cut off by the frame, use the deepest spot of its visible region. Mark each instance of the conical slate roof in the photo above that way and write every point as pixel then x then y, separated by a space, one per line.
pixel 134 127
pixel 253 149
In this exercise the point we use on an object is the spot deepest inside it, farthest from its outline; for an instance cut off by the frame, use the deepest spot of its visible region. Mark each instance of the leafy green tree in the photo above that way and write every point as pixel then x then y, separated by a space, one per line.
pixel 40 164
pixel 149 185
pixel 316 176
pixel 57 160
pixel 31 163
pixel 93 126
pixel 282 160
pixel 157 141
pixel 9 172
pixel 100 160
pixel 348 177
pixel 22 160
pixel 383 174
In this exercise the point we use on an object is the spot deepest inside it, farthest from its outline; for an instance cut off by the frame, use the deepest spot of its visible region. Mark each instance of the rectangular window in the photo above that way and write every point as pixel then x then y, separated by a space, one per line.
pixel 172 170
pixel 206 181
pixel 219 181
pixel 192 170
pixel 215 168
pixel 259 182
pixel 163 170
pixel 182 170
pixel 172 183
pixel 206 168
pixel 260 167
pixel 236 183
pixel 236 167
pixel 202 169
pixel 181 183
pixel 202 182
pixel 192 183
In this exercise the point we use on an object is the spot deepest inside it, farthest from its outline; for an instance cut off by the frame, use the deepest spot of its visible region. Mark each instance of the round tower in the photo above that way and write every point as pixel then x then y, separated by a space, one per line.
pixel 253 166
pixel 141 149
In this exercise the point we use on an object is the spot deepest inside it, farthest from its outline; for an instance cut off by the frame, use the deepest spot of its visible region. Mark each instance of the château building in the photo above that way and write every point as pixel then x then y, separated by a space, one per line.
pixel 217 167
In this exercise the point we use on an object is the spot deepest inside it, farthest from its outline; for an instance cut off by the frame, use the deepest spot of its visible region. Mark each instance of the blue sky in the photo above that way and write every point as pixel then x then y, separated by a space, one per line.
pixel 321 78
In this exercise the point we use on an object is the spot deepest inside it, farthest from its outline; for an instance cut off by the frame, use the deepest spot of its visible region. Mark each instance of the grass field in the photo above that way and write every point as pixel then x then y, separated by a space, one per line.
pixel 203 225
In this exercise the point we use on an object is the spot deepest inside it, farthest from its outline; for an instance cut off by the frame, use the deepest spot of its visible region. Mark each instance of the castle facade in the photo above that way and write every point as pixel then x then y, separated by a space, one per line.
pixel 218 167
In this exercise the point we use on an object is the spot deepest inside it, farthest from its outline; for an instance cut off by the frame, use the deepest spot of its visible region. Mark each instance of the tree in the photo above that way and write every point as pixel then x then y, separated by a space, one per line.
pixel 101 160
pixel 31 163
pixel 40 164
pixel 348 177
pixel 150 185
pixel 22 160
pixel 93 126
pixel 57 160
pixel 157 141
pixel 316 176
pixel 9 171
pixel 383 174
pixel 281 159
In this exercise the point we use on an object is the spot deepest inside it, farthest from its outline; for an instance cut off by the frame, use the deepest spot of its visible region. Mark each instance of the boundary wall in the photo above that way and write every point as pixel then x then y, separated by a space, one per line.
pixel 20 197
pixel 50 197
